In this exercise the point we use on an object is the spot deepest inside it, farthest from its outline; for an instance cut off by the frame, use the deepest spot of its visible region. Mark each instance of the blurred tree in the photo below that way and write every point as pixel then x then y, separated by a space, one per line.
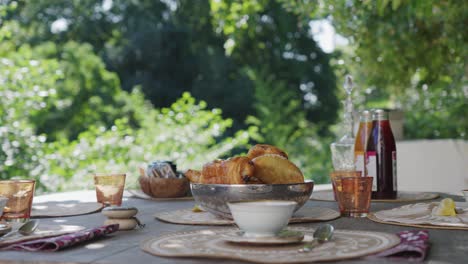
pixel 289 128
pixel 55 85
pixel 169 47
pixel 87 94
pixel 166 47
pixel 263 36
pixel 186 132
pixel 410 55
pixel 26 85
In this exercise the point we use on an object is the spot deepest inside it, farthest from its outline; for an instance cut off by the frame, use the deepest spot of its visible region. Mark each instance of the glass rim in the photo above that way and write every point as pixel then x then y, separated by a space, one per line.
pixel 345 172
pixel 353 178
pixel 17 181
pixel 100 174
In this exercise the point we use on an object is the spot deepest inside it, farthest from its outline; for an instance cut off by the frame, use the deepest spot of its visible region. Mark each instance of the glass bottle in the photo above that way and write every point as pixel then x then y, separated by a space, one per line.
pixel 360 146
pixel 381 157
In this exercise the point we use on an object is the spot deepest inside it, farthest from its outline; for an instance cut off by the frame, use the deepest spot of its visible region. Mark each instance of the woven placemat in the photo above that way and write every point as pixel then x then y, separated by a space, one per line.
pixel 141 195
pixel 345 244
pixel 64 209
pixel 402 196
pixel 188 217
pixel 375 219
pixel 420 215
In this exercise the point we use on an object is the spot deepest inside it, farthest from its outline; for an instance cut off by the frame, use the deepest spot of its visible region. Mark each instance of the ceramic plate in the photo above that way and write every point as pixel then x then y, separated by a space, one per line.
pixel 284 237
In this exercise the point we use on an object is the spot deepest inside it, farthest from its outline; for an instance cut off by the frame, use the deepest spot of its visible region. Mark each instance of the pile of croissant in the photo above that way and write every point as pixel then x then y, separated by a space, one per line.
pixel 264 164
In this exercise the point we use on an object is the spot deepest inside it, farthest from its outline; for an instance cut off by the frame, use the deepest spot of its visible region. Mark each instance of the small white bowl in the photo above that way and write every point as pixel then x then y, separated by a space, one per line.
pixel 263 218
pixel 3 202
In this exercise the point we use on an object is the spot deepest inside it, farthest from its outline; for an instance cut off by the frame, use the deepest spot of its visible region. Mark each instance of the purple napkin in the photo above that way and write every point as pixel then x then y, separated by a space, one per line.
pixel 64 241
pixel 413 247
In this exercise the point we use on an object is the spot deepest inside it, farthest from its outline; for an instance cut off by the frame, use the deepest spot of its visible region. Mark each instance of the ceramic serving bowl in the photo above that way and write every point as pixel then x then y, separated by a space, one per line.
pixel 214 197
pixel 262 218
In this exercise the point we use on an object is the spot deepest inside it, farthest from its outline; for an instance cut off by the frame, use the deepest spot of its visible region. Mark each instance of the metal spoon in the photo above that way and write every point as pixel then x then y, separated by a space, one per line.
pixel 322 234
pixel 26 229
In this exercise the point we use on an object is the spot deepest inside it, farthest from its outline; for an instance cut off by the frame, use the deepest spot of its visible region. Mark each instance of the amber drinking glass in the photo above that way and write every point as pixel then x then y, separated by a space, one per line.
pixel 335 174
pixel 109 188
pixel 353 195
pixel 20 195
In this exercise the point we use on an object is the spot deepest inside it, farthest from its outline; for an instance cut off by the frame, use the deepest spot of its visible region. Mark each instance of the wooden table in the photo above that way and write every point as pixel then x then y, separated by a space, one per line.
pixel 447 246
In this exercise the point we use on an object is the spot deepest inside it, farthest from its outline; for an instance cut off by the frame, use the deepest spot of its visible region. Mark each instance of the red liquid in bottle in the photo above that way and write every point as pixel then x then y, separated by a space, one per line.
pixel 381 157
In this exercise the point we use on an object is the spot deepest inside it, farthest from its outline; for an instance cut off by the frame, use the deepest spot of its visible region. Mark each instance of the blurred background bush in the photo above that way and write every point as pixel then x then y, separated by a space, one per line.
pixel 111 85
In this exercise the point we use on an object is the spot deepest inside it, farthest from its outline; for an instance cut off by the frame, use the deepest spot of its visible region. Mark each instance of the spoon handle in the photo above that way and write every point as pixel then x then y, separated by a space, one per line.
pixel 9 234
pixel 308 246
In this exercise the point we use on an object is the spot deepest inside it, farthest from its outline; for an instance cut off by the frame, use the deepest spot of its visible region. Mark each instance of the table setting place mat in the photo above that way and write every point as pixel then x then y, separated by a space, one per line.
pixel 189 217
pixel 345 244
pixel 402 196
pixel 51 238
pixel 141 195
pixel 64 209
pixel 420 215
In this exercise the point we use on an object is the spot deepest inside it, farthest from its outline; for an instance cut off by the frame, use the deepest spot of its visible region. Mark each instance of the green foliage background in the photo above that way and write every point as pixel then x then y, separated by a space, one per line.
pixel 129 82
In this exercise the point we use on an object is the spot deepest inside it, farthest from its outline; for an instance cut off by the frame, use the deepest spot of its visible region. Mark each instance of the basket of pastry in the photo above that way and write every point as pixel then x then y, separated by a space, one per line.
pixel 265 173
pixel 161 180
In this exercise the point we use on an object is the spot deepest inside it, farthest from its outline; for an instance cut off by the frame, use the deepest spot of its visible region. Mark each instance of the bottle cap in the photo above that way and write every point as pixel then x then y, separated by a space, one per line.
pixel 365 116
pixel 380 114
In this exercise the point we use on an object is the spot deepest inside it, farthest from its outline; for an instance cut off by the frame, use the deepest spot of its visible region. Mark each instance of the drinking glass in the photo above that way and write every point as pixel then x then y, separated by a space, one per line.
pixel 109 188
pixel 335 174
pixel 20 195
pixel 342 156
pixel 353 195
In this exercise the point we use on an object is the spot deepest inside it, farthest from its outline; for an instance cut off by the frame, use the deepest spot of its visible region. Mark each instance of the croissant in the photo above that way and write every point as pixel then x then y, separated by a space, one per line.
pixel 193 175
pixel 262 149
pixel 237 170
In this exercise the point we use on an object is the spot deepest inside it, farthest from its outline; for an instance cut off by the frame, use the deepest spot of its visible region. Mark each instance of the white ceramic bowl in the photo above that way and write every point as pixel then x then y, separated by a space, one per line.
pixel 263 218
pixel 3 201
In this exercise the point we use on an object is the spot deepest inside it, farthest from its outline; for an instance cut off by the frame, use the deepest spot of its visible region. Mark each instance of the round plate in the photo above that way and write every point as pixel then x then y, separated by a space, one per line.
pixel 210 243
pixel 284 237
pixel 4 228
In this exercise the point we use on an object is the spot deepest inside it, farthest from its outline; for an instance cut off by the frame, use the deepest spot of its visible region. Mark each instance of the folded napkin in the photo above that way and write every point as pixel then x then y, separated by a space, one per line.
pixel 413 246
pixel 63 241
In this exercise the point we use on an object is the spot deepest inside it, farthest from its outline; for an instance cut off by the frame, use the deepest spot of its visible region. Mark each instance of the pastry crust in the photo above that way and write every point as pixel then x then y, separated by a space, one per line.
pixel 263 149
pixel 275 169
pixel 193 175
pixel 237 170
pixel 264 164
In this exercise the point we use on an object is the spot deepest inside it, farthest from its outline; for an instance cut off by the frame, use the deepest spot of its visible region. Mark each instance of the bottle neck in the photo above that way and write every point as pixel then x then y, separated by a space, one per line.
pixel 381 122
